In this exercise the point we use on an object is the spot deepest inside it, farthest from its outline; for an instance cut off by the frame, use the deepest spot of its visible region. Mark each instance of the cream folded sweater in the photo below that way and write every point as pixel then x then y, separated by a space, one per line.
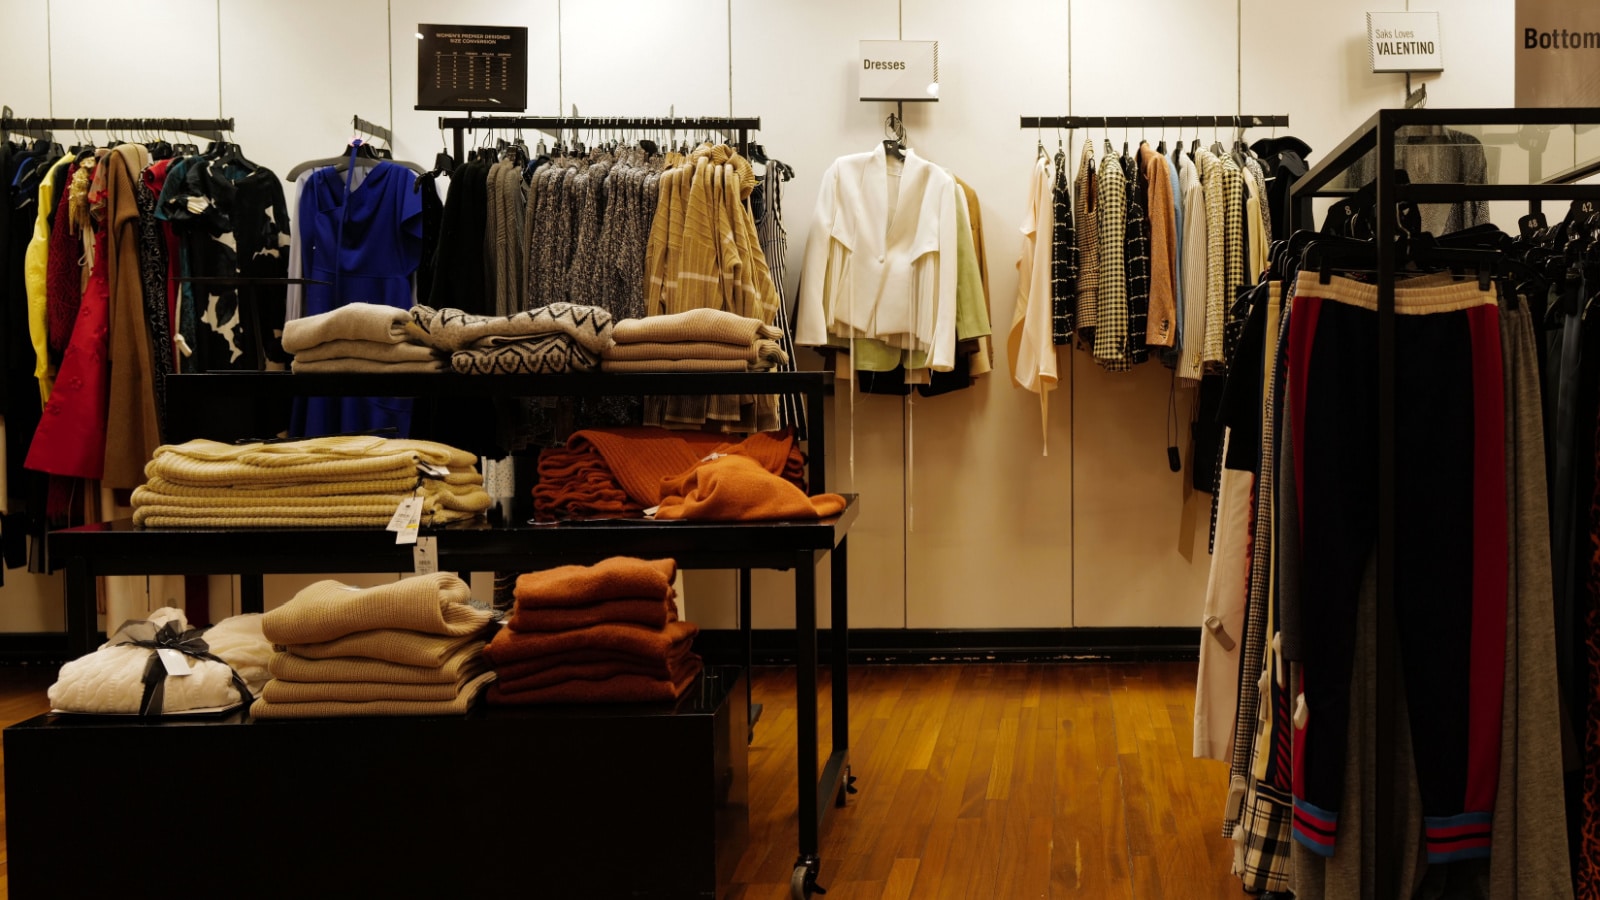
pixel 351 322
pixel 431 604
pixel 460 705
pixel 452 329
pixel 111 679
pixel 325 459
pixel 286 666
pixel 713 325
pixel 377 351
pixel 674 365
pixel 357 366
pixel 181 517
pixel 761 350
pixel 280 691
pixel 460 482
pixel 409 649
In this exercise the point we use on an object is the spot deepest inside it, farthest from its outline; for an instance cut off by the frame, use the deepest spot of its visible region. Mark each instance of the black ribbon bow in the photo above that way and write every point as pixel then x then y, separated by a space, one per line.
pixel 168 637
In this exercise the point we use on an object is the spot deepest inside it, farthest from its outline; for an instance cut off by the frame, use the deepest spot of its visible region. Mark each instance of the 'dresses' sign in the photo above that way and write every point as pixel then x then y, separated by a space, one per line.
pixel 1404 42
pixel 1558 52
pixel 899 70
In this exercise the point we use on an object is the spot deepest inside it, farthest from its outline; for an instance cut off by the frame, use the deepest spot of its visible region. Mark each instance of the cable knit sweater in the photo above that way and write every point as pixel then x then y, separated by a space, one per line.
pixel 430 604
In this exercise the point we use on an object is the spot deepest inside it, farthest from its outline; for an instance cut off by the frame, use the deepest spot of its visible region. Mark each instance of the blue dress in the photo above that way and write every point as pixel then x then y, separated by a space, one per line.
pixel 365 241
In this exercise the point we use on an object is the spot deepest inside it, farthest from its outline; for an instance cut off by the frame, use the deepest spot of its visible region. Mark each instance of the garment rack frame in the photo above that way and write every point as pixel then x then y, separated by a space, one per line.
pixel 738 127
pixel 211 129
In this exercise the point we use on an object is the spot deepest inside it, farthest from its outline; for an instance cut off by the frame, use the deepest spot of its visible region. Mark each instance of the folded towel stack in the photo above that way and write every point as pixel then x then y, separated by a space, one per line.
pixel 110 681
pixel 618 472
pixel 607 633
pixel 352 481
pixel 700 340
pixel 550 340
pixel 359 337
pixel 411 648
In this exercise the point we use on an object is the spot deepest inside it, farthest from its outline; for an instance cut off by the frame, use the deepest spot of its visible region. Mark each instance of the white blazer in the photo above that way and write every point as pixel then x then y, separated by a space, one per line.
pixel 873 272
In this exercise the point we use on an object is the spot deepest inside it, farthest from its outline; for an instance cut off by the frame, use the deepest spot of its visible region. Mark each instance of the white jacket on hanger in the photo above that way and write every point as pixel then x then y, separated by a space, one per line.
pixel 881 259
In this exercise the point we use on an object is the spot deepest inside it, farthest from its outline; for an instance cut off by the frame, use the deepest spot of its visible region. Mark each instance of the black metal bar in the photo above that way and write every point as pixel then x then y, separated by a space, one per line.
pixel 831 783
pixel 377 131
pixel 1355 145
pixel 817 434
pixel 79 595
pixel 747 635
pixel 805 628
pixel 601 123
pixel 1576 173
pixel 839 652
pixel 1455 193
pixel 199 127
pixel 252 593
pixel 1227 121
pixel 1386 864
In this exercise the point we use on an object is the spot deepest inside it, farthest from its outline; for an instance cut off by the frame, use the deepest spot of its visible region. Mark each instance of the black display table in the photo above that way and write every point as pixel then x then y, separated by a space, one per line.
pixel 642 801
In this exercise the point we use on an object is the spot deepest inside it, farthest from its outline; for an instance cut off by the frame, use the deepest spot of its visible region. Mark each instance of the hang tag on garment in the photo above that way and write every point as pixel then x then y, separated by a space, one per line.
pixel 176 663
pixel 432 470
pixel 407 519
pixel 425 555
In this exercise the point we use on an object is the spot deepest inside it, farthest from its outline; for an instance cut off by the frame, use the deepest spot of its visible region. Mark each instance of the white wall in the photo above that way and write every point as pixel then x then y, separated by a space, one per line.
pixel 1099 532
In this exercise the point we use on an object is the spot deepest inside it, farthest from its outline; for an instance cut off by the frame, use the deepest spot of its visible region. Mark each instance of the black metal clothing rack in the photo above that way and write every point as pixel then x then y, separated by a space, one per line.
pixel 1228 121
pixel 1378 134
pixel 368 128
pixel 211 129
pixel 740 126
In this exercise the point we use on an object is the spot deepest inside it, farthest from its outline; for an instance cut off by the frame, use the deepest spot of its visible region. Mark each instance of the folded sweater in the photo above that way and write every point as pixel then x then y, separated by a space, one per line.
pixel 182 517
pixel 111 680
pixel 452 329
pixel 739 489
pixel 625 366
pixel 706 324
pixel 641 458
pixel 511 646
pixel 549 354
pixel 471 498
pixel 617 578
pixel 357 366
pixel 393 645
pixel 760 352
pixel 649 613
pixel 280 691
pixel 651 667
pixel 458 706
pixel 324 459
pixel 377 351
pixel 351 322
pixel 431 604
pixel 617 689
pixel 286 666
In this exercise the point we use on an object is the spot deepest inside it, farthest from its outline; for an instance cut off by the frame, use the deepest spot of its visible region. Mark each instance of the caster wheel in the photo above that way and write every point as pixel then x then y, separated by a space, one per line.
pixel 803 884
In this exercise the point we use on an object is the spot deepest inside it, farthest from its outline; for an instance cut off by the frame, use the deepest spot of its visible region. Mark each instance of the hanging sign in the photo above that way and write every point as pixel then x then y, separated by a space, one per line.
pixel 1404 42
pixel 472 67
pixel 1558 53
pixel 899 70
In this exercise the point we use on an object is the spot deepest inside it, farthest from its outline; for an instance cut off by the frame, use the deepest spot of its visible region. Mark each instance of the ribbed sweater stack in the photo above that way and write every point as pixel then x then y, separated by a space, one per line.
pixel 411 648
pixel 607 633
pixel 699 340
pixel 359 337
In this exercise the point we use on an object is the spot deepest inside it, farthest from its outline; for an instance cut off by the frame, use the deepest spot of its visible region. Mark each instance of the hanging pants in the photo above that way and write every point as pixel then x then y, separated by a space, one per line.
pixel 1450 543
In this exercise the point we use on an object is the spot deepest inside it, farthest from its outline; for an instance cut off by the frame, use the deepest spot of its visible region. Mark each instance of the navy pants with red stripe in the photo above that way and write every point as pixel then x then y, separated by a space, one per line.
pixel 1450 562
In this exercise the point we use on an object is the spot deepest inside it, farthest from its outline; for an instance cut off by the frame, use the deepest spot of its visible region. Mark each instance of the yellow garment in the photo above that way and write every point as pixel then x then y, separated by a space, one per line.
pixel 344 458
pixel 982 362
pixel 431 604
pixel 36 263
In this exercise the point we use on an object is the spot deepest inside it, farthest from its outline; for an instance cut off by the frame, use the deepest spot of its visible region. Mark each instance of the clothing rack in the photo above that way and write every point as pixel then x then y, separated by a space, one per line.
pixel 211 129
pixel 1379 133
pixel 1232 121
pixel 742 126
pixel 377 131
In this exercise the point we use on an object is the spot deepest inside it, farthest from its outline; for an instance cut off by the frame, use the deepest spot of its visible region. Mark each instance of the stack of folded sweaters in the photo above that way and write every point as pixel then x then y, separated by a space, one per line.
pixel 607 633
pixel 550 340
pixel 411 648
pixel 111 680
pixel 350 481
pixel 618 472
pixel 700 340
pixel 359 337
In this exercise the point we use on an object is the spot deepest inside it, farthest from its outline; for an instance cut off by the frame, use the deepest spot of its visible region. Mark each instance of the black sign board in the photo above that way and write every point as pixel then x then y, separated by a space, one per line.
pixel 472 67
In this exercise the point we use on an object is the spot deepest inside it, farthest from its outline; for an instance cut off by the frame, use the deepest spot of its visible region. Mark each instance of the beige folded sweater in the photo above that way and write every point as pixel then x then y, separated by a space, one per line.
pixel 460 705
pixel 356 366
pixel 762 350
pixel 183 517
pixel 377 351
pixel 435 495
pixel 674 365
pixel 714 325
pixel 286 666
pixel 431 604
pixel 402 484
pixel 343 458
pixel 351 322
pixel 403 648
pixel 280 691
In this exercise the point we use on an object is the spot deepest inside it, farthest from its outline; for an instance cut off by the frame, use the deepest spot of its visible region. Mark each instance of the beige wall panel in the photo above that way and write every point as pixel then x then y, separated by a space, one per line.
pixel 642 57
pixel 134 59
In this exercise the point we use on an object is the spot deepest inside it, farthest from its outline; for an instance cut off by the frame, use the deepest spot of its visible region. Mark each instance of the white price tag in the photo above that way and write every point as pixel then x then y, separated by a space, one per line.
pixel 427 468
pixel 425 555
pixel 176 663
pixel 407 519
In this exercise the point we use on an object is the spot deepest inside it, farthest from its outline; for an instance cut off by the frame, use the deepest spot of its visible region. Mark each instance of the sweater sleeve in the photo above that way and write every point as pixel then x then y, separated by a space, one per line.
pixel 944 313
pixel 813 311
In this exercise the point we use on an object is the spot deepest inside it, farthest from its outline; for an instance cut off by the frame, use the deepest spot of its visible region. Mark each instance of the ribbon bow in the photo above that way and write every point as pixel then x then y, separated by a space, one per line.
pixel 168 637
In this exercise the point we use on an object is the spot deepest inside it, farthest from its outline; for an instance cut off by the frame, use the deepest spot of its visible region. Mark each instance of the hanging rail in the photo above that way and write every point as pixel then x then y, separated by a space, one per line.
pixel 1230 121
pixel 377 131
pixel 462 124
pixel 211 129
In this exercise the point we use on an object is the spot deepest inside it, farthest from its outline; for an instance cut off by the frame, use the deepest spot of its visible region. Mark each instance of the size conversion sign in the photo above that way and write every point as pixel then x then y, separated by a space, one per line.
pixel 1404 42
pixel 472 67
pixel 899 70
pixel 1558 53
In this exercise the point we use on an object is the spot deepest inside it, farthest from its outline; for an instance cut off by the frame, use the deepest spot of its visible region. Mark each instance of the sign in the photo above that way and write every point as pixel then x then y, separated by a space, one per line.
pixel 472 67
pixel 899 70
pixel 1558 53
pixel 1404 42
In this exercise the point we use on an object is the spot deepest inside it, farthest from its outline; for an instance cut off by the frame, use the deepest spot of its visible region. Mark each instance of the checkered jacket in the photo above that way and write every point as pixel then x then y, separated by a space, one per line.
pixel 1111 331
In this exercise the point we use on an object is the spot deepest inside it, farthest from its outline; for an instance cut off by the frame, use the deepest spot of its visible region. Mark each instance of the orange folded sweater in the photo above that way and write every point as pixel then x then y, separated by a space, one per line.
pixel 738 489
pixel 598 671
pixel 617 578
pixel 640 458
pixel 510 645
pixel 663 667
pixel 649 613
pixel 618 689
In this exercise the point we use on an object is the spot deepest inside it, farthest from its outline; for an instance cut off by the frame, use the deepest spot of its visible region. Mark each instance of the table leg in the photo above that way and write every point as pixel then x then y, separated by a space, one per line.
pixel 252 593
pixel 805 632
pixel 747 640
pixel 839 651
pixel 80 608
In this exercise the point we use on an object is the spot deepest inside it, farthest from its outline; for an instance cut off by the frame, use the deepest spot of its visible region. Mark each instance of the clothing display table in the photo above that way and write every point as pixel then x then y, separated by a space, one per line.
pixel 200 406
pixel 647 801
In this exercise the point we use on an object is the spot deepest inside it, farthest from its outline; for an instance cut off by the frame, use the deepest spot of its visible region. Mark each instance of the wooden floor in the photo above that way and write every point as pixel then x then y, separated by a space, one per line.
pixel 980 782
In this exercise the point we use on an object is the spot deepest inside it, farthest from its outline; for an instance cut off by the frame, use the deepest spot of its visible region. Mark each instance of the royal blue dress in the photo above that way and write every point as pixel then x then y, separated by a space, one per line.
pixel 365 240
